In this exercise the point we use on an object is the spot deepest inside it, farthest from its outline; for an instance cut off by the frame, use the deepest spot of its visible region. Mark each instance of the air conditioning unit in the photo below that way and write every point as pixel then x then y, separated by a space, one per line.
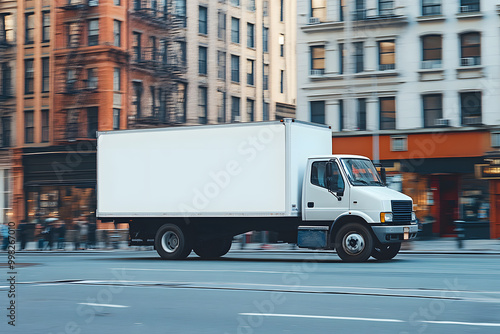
pixel 387 67
pixel 317 72
pixel 472 120
pixel 93 3
pixel 442 122
pixel 237 119
pixel 469 61
pixel 314 20
pixel 466 9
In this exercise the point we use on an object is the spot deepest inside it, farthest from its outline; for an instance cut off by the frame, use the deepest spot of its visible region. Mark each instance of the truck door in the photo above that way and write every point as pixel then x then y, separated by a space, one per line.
pixel 321 203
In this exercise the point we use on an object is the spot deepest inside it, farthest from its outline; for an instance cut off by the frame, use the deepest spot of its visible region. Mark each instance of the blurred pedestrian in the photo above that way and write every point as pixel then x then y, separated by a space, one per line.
pixel 76 236
pixel 61 233
pixel 22 229
pixel 84 232
pixel 5 236
pixel 92 232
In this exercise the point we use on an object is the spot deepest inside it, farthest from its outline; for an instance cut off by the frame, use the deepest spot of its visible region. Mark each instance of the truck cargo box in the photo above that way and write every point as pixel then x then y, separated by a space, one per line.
pixel 240 170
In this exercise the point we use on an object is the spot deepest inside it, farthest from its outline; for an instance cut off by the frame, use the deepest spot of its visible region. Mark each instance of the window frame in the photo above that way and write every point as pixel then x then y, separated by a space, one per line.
pixel 387 123
pixel 250 72
pixel 45 125
pixel 250 35
pixel 315 57
pixel 317 115
pixel 429 8
pixel 471 46
pixel 434 109
pixel 29 76
pixel 203 20
pixel 202 60
pixel 464 115
pixel 117 33
pixel 235 109
pixel 93 32
pixel 235 70
pixel 381 54
pixel 45 26
pixel 29 28
pixel 319 11
pixel 45 75
pixel 235 30
pixel 29 126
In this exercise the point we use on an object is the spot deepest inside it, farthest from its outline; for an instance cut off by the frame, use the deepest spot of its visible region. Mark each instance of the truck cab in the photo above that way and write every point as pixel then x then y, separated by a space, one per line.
pixel 345 197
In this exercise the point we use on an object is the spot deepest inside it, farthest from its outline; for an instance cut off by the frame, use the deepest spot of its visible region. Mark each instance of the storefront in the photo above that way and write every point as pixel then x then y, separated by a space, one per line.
pixel 60 181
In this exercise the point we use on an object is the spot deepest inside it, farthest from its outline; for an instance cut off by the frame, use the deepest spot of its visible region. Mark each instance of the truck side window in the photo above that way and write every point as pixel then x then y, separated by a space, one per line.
pixel 318 175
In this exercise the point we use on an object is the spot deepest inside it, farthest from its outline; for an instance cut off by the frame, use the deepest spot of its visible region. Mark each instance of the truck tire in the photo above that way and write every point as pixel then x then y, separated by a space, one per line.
pixel 213 248
pixel 386 251
pixel 354 243
pixel 172 242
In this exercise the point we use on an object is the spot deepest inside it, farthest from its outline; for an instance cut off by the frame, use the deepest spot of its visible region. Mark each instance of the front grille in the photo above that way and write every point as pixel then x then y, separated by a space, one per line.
pixel 401 211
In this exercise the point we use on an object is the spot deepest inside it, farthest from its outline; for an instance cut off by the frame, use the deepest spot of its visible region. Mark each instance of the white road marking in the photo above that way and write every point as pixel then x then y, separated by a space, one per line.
pixel 484 324
pixel 208 270
pixel 321 317
pixel 104 305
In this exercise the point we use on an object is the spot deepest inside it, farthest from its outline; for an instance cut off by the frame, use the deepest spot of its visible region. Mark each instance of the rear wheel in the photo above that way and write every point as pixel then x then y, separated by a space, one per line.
pixel 386 251
pixel 172 242
pixel 213 248
pixel 354 243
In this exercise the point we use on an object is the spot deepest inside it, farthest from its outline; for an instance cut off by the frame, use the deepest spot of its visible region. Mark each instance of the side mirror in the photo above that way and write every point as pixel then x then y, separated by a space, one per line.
pixel 329 175
pixel 332 180
pixel 383 175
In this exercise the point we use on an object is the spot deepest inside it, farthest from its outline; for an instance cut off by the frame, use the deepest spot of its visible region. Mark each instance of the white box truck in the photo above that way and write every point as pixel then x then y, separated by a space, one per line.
pixel 196 187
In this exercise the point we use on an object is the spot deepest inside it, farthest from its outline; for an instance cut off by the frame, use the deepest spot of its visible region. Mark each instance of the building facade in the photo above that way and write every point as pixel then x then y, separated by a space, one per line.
pixel 413 85
pixel 8 28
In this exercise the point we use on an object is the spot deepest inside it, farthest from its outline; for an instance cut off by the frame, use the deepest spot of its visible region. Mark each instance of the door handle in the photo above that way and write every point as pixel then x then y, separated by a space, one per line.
pixel 310 204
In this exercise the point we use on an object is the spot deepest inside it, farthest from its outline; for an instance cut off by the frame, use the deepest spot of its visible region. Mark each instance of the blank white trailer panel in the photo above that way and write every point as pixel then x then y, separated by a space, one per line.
pixel 248 169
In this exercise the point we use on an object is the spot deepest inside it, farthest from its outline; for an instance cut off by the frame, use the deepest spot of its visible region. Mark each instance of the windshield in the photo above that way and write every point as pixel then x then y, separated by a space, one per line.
pixel 361 172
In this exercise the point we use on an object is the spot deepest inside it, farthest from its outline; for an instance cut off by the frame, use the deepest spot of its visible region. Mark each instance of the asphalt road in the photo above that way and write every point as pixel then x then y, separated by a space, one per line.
pixel 251 292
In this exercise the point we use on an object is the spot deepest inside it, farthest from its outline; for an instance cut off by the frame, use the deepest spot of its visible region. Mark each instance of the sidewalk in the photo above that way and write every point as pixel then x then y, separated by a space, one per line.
pixel 434 246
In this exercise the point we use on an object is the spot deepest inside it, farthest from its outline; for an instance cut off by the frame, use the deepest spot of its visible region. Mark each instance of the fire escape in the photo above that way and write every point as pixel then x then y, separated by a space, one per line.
pixel 165 62
pixel 76 89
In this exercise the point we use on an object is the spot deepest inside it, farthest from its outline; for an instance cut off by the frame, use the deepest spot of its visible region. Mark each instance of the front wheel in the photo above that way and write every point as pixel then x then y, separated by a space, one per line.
pixel 213 248
pixel 386 251
pixel 172 242
pixel 354 243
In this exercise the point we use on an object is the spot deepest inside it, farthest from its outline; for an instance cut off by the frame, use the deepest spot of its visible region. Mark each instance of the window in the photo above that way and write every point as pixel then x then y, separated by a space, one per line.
pixel 117 2
pixel 221 98
pixel 317 112
pixel 318 9
pixel 250 72
pixel 265 8
pixel 203 17
pixel 29 28
pixel 137 99
pixel 221 65
pixel 117 80
pixel 152 94
pixel 431 51
pixel 360 10
pixel 29 127
pixel 45 26
pixel 361 114
pixel 181 106
pixel 250 35
pixel 385 7
pixel 92 78
pixel 180 11
pixel 250 110
pixel 202 60
pixel 117 29
pixel 235 68
pixel 470 104
pixel 470 46
pixel 282 11
pixel 202 105
pixel 387 55
pixel 265 111
pixel 387 113
pixel 73 35
pixel 6 28
pixel 93 32
pixel 281 40
pixel 467 6
pixel 433 109
pixel 163 52
pixel 341 58
pixel 282 81
pixel 318 175
pixel 182 51
pixel 70 80
pixel 235 30
pixel 28 76
pixel 6 81
pixel 265 77
pixel 153 48
pixel 431 7
pixel 235 2
pixel 341 115
pixel 6 131
pixel 317 60
pixel 137 4
pixel 495 139
pixel 358 57
pixel 221 25
pixel 92 121
pixel 45 75
pixel 45 126
pixel 251 5
pixel 265 39
pixel 399 143
pixel 136 46
pixel 235 109
pixel 342 9
pixel 116 118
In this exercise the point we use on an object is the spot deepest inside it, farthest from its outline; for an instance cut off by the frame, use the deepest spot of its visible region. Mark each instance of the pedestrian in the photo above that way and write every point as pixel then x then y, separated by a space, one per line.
pixel 84 232
pixel 92 232
pixel 76 236
pixel 61 232
pixel 22 229
pixel 5 236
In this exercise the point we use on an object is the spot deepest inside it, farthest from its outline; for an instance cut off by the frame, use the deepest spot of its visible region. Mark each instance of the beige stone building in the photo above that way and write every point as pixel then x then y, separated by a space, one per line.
pixel 240 60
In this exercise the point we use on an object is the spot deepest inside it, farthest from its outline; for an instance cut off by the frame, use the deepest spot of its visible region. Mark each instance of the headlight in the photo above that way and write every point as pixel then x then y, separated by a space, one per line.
pixel 386 217
pixel 413 216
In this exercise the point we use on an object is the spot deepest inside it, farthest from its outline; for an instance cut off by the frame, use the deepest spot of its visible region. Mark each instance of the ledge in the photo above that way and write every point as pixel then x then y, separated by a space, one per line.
pixel 431 18
pixel 376 21
pixel 433 74
pixel 470 15
pixel 470 72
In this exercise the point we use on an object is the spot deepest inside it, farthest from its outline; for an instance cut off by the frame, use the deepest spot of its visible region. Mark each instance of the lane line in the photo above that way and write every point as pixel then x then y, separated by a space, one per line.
pixel 207 270
pixel 320 317
pixel 104 305
pixel 483 324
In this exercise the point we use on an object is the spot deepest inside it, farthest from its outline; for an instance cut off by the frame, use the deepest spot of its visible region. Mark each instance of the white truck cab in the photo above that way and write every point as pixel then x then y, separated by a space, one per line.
pixel 368 218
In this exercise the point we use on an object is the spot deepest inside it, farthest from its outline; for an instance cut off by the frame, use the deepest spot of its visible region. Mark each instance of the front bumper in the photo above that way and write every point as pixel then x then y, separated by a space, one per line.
pixel 397 233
